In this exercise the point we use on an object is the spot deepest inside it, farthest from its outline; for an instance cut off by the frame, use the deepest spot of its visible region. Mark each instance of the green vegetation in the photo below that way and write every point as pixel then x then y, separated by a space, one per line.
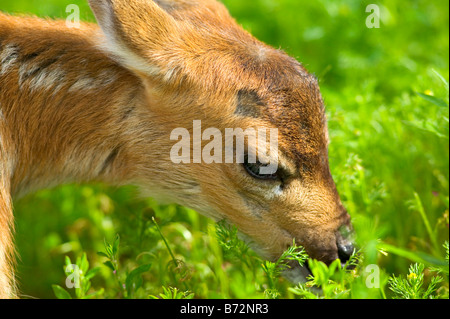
pixel 387 100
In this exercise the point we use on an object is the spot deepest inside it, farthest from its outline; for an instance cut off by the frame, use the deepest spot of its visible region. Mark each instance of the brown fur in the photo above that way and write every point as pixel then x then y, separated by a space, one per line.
pixel 80 106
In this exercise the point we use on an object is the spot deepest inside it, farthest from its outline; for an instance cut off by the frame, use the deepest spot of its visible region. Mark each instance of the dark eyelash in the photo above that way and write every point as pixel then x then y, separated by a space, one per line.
pixel 253 169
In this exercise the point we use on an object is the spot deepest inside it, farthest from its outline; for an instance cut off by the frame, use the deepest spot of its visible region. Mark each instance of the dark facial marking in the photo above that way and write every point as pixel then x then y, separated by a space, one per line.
pixel 249 104
pixel 110 160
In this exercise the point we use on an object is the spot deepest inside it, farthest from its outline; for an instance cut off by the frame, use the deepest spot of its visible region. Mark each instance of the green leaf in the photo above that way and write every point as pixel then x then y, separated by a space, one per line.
pixel 134 280
pixel 303 291
pixel 320 271
pixel 83 263
pixel 426 126
pixel 418 257
pixel 139 270
pixel 432 99
pixel 60 292
pixel 109 264
pixel 108 249
pixel 91 273
pixel 335 266
pixel 115 248
pixel 95 294
pixel 442 79
pixel 173 293
pixel 417 205
pixel 102 254
pixel 87 286
pixel 68 261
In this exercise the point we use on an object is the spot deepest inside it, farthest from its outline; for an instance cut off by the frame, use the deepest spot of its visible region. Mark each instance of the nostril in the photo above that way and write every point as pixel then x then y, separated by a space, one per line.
pixel 344 242
pixel 345 251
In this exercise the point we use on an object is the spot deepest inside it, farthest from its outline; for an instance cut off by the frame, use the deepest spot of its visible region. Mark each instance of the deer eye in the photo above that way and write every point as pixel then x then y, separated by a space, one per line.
pixel 254 170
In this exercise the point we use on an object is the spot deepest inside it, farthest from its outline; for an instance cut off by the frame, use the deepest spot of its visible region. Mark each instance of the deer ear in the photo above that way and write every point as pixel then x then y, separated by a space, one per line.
pixel 135 31
pixel 191 10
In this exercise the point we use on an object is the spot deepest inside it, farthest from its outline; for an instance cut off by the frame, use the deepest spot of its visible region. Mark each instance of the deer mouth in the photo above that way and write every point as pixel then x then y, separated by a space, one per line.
pixel 296 273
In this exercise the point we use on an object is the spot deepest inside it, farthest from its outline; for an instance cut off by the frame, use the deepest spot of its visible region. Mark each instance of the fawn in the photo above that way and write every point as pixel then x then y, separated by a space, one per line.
pixel 99 104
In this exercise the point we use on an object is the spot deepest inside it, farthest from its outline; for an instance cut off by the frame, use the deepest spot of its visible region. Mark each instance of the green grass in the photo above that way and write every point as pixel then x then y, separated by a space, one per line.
pixel 387 102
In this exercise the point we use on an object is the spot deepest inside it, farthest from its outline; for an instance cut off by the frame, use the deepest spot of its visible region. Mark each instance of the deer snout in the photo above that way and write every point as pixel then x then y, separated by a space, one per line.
pixel 335 244
pixel 345 244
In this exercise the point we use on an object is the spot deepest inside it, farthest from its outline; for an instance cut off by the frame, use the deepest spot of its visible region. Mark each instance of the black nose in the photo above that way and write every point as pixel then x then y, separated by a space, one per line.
pixel 345 251
pixel 345 246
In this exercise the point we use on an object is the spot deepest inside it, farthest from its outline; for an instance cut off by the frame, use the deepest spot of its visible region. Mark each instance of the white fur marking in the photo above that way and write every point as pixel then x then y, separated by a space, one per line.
pixel 114 46
pixel 262 53
pixel 25 70
pixel 275 192
pixel 8 58
pixel 83 84
pixel 87 83
pixel 127 57
pixel 107 77
pixel 48 80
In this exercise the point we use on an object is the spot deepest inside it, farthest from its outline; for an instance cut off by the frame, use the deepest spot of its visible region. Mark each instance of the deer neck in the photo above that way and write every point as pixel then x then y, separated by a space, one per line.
pixel 79 116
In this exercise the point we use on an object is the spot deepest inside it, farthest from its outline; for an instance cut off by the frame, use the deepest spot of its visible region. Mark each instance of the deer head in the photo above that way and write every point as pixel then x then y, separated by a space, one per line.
pixel 196 63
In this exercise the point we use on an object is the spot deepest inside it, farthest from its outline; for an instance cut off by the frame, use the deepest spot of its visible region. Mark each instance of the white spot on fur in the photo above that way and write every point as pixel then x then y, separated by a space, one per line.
pixel 48 80
pixel 169 74
pixel 83 84
pixel 273 193
pixel 87 83
pixel 8 58
pixel 261 54
pixel 107 77
pixel 24 70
